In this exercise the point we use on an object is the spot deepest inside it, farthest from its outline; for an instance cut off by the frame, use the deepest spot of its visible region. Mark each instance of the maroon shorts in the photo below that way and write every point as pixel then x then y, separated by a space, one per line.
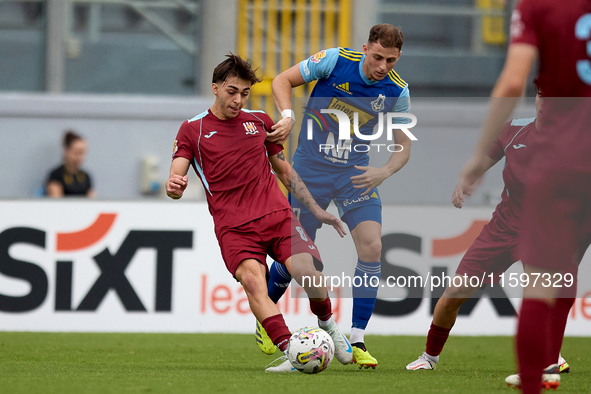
pixel 496 248
pixel 278 234
pixel 556 219
pixel 493 251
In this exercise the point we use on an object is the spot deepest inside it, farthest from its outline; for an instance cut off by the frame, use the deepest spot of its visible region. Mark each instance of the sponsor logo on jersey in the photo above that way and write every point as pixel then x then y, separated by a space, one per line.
pixel 519 146
pixel 306 69
pixel 374 195
pixel 378 104
pixel 350 202
pixel 250 128
pixel 175 148
pixel 344 87
pixel 517 26
pixel 335 160
pixel 349 110
pixel 210 134
pixel 318 56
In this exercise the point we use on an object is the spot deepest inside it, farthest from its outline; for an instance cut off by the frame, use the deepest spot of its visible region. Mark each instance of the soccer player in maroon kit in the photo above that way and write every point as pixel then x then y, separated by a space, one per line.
pixel 226 147
pixel 557 200
pixel 495 249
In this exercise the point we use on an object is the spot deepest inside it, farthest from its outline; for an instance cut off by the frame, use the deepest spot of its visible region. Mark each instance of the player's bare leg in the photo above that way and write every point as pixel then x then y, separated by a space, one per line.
pixel 301 268
pixel 252 275
pixel 444 317
pixel 448 306
pixel 367 236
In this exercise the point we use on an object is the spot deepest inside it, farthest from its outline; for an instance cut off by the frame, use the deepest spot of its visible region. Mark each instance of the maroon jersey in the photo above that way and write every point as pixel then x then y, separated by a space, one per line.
pixel 515 143
pixel 562 33
pixel 231 159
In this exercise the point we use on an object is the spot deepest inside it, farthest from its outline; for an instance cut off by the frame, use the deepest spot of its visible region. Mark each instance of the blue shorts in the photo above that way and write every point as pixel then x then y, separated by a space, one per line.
pixel 337 187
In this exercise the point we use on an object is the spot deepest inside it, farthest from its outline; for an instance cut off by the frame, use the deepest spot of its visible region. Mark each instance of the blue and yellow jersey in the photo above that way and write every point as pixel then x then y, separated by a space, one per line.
pixel 342 85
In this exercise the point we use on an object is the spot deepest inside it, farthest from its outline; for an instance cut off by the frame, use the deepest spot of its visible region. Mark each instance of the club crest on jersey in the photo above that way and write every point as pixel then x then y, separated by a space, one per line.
pixel 318 56
pixel 378 104
pixel 250 127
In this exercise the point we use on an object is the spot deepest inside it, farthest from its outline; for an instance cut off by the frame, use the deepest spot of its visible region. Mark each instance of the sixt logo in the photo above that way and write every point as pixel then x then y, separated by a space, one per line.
pixel 112 266
pixel 440 248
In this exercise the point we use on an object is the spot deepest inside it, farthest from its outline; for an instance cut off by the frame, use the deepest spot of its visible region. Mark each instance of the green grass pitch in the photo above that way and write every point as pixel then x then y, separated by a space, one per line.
pixel 227 363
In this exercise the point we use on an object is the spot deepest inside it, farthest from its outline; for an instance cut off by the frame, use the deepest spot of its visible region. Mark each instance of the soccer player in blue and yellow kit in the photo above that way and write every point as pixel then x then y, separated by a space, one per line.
pixel 361 85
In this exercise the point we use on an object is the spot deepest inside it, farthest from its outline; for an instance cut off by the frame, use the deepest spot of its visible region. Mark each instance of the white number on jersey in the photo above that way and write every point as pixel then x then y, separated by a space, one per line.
pixel 583 32
pixel 302 233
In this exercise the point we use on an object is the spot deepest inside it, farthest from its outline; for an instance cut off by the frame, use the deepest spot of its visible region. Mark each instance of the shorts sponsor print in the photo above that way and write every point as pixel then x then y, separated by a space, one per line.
pixel 337 187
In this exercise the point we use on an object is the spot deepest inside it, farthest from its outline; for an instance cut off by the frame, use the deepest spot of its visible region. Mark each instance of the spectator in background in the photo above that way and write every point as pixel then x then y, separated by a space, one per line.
pixel 69 179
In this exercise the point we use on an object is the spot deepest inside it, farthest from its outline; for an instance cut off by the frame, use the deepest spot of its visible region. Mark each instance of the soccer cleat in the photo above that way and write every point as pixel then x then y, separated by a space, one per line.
pixel 263 340
pixel 284 366
pixel 362 357
pixel 550 378
pixel 423 362
pixel 342 348
pixel 563 366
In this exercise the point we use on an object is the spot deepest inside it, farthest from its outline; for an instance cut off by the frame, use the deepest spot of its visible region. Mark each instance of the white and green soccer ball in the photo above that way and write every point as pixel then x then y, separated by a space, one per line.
pixel 310 350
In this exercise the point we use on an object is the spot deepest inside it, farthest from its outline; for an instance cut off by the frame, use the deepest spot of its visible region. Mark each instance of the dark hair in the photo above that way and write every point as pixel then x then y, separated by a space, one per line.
pixel 387 35
pixel 536 86
pixel 69 138
pixel 234 66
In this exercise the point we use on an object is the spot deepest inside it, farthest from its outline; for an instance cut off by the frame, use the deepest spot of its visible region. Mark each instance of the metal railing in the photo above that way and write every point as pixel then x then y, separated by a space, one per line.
pixel 59 26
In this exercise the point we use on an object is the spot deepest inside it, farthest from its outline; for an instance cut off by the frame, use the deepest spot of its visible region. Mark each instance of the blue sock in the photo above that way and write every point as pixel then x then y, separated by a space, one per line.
pixel 279 279
pixel 364 296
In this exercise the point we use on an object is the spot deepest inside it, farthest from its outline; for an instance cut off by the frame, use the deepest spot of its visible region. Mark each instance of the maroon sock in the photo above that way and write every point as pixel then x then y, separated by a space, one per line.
pixel 533 337
pixel 436 339
pixel 559 318
pixel 321 309
pixel 277 331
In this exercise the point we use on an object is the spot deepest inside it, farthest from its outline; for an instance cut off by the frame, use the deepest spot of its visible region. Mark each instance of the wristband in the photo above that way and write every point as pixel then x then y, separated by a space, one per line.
pixel 288 113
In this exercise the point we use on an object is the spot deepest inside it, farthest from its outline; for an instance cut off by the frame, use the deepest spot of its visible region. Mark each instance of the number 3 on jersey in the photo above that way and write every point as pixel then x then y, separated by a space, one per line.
pixel 583 32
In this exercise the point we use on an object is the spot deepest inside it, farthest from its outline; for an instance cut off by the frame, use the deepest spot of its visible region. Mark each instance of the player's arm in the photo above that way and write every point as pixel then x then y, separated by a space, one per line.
pixel 283 84
pixel 466 181
pixel 504 99
pixel 55 189
pixel 282 87
pixel 178 179
pixel 295 185
pixel 318 66
pixel 374 176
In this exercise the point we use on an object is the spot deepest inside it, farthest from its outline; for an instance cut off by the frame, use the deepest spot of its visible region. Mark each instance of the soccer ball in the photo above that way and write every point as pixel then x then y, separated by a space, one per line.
pixel 310 350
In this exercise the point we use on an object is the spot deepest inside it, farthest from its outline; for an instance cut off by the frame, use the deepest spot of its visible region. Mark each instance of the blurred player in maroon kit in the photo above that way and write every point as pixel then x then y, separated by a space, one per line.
pixel 226 146
pixel 495 249
pixel 556 206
